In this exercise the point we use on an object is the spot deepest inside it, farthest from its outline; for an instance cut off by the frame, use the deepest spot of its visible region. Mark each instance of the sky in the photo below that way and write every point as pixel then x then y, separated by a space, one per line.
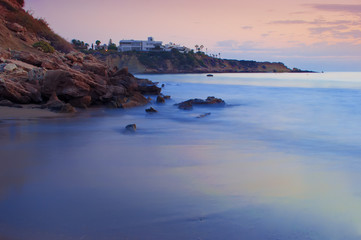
pixel 321 35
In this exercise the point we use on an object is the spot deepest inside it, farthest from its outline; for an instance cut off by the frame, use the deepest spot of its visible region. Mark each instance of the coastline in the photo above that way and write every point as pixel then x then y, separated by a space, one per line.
pixel 28 112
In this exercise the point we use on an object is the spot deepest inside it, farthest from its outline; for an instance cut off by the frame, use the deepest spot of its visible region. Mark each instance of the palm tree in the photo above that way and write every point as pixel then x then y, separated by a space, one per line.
pixel 196 46
pixel 97 42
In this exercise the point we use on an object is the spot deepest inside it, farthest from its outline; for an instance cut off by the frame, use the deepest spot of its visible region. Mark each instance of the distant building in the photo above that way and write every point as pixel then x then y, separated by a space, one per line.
pixel 139 45
pixel 169 46
pixel 101 47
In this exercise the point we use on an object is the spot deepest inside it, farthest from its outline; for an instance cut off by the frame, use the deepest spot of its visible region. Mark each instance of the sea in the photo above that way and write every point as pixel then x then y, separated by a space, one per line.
pixel 281 160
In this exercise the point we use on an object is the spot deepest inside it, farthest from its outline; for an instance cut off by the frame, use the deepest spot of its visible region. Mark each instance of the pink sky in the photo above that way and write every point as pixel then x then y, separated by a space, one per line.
pixel 317 36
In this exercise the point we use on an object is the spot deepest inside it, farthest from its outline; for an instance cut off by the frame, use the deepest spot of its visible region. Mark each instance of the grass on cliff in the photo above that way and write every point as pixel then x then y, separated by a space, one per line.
pixel 37 26
pixel 158 60
pixel 44 46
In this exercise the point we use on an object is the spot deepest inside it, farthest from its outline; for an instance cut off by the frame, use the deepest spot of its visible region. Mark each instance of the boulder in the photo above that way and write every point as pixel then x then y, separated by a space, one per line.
pixel 95 67
pixel 14 91
pixel 151 110
pixel 82 102
pixel 33 92
pixel 135 100
pixel 75 57
pixel 67 85
pixel 27 57
pixel 49 65
pixel 166 97
pixel 20 64
pixel 188 105
pixel 160 99
pixel 36 75
pixel 67 109
pixel 57 105
pixel 15 27
pixel 147 87
pixel 131 128
pixel 10 67
pixel 54 103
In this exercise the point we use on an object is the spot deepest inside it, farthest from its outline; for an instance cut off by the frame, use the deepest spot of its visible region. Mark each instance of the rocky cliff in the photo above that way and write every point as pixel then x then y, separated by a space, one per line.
pixel 38 66
pixel 176 62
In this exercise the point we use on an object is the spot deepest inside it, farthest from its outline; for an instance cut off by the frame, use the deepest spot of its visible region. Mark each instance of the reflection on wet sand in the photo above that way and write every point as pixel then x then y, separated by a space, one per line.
pixel 277 179
pixel 15 160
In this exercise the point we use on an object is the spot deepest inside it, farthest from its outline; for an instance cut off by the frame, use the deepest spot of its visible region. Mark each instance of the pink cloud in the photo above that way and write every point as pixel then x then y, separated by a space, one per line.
pixel 351 8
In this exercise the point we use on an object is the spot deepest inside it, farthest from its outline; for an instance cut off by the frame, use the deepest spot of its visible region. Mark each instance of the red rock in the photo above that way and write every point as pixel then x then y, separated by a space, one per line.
pixel 66 84
pixel 95 67
pixel 57 105
pixel 15 27
pixel 160 99
pixel 135 101
pixel 83 102
pixel 27 57
pixel 14 92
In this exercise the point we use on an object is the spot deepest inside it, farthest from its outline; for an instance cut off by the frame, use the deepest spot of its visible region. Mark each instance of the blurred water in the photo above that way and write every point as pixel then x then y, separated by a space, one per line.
pixel 280 161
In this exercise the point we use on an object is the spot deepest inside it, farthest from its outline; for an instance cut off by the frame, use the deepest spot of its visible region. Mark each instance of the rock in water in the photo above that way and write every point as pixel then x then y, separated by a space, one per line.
pixel 151 110
pixel 204 115
pixel 160 99
pixel 188 105
pixel 131 128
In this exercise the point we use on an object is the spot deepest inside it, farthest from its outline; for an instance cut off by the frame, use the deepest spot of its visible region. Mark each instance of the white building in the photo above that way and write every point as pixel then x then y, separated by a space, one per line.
pixel 101 47
pixel 169 46
pixel 139 45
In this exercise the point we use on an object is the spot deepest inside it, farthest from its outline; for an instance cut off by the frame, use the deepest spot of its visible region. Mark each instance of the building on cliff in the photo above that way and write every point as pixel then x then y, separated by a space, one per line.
pixel 170 46
pixel 140 45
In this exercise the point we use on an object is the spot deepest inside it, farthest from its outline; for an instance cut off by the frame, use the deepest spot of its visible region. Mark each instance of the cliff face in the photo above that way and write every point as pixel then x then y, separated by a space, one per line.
pixel 175 62
pixel 38 66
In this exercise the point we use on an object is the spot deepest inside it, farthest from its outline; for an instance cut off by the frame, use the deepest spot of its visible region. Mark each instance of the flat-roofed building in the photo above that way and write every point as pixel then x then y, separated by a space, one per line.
pixel 139 45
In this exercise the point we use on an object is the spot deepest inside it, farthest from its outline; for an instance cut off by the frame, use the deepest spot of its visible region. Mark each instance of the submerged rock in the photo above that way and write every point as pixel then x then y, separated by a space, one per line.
pixel 188 105
pixel 131 128
pixel 204 115
pixel 151 110
pixel 160 99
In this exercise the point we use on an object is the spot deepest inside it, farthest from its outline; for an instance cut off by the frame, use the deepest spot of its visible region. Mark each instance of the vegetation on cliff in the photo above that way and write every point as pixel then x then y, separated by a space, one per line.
pixel 35 68
pixel 177 62
pixel 12 12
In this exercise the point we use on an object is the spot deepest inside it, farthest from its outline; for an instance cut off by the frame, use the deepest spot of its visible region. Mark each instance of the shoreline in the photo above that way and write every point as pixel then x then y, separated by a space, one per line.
pixel 29 112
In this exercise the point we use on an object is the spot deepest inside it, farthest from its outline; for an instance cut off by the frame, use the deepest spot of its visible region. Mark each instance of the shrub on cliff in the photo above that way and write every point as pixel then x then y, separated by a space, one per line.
pixel 39 27
pixel 44 46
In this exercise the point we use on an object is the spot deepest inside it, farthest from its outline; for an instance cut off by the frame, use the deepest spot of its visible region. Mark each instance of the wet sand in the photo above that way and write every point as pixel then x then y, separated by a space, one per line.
pixel 28 112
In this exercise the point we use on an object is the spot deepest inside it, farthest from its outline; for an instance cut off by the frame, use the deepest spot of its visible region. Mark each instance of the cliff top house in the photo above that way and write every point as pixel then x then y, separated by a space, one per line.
pixel 140 45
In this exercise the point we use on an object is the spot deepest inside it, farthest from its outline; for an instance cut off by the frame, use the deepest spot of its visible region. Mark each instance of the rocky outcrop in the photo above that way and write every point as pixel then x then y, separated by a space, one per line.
pixel 62 79
pixel 89 83
pixel 188 105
